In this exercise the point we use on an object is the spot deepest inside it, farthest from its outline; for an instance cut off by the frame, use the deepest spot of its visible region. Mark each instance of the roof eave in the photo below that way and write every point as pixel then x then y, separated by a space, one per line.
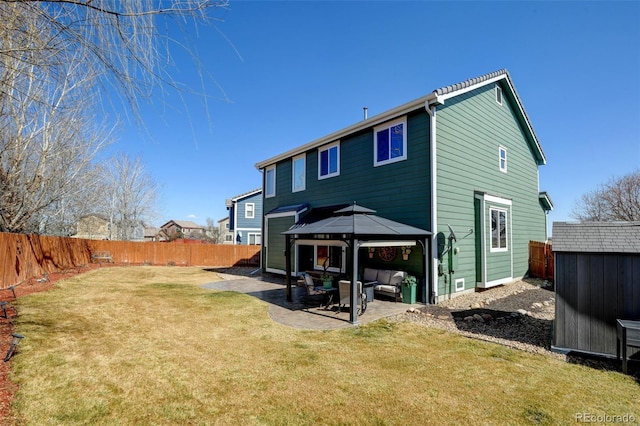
pixel 447 92
pixel 362 125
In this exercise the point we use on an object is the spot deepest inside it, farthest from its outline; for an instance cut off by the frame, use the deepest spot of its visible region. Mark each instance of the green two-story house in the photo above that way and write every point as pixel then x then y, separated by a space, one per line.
pixel 461 162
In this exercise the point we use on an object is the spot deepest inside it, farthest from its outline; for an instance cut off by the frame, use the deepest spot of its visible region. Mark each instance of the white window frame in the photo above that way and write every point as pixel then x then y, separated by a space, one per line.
pixel 498 95
pixel 318 266
pixel 459 284
pixel 250 208
pixel 257 236
pixel 389 125
pixel 302 185
pixel 501 166
pixel 335 145
pixel 499 248
pixel 267 171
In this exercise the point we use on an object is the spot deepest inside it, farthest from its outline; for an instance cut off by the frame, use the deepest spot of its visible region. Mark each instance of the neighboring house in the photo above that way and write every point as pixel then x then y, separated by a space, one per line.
pixel 245 217
pixel 94 227
pixel 176 229
pixel 226 236
pixel 151 234
pixel 460 163
pixel 597 281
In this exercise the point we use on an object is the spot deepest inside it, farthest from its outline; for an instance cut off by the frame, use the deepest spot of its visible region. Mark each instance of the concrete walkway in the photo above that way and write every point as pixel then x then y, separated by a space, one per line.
pixel 295 314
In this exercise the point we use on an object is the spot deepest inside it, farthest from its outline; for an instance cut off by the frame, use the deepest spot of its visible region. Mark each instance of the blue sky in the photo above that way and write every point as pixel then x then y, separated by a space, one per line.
pixel 285 73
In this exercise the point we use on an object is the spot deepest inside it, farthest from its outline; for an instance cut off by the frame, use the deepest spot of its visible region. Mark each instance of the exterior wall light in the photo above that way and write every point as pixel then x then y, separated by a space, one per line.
pixel 14 342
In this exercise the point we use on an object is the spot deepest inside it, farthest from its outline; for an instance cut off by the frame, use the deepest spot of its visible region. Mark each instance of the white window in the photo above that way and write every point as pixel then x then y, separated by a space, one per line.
pixel 270 182
pixel 250 211
pixel 502 159
pixel 298 174
pixel 498 94
pixel 254 239
pixel 329 161
pixel 331 257
pixel 498 229
pixel 390 142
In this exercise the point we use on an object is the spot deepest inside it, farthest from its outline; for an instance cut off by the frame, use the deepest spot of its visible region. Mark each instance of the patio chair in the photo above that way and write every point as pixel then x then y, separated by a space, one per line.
pixel 344 289
pixel 314 294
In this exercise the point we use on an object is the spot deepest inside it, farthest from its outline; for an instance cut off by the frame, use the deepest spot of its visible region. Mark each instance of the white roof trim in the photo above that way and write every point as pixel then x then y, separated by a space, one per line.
pixel 424 102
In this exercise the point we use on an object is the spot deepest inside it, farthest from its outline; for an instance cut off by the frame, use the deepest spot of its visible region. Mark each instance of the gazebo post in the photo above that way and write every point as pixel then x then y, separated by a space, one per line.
pixel 287 259
pixel 353 306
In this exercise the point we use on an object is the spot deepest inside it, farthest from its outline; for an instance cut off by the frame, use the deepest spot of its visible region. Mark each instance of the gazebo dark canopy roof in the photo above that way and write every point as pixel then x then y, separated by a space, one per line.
pixel 357 226
pixel 355 220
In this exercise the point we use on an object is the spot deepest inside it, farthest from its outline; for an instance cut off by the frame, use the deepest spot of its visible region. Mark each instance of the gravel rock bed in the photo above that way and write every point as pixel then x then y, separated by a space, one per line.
pixel 518 315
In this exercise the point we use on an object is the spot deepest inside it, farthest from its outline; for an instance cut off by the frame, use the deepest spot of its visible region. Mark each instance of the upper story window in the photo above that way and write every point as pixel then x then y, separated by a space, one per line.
pixel 250 211
pixel 299 174
pixel 329 161
pixel 498 230
pixel 390 142
pixel 499 94
pixel 270 181
pixel 502 158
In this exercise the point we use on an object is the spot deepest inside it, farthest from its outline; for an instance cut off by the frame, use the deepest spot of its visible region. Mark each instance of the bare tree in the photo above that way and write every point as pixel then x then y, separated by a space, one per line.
pixel 48 139
pixel 57 57
pixel 125 42
pixel 617 200
pixel 131 196
pixel 212 232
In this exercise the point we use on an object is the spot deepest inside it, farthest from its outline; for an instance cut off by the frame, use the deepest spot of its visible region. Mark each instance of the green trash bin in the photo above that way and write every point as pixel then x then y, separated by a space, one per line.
pixel 409 294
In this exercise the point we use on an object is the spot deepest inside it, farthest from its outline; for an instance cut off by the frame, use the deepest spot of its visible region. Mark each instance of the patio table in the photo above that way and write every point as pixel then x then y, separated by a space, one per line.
pixel 329 292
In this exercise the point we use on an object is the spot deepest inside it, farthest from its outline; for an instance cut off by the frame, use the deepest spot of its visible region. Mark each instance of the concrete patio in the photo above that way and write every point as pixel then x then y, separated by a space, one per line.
pixel 296 314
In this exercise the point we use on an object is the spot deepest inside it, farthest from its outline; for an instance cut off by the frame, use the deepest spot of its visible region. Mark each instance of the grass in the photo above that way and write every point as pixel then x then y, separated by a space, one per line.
pixel 146 345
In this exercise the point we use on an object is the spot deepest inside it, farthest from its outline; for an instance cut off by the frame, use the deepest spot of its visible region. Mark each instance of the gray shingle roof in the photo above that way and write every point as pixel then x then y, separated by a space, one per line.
pixel 596 237
pixel 471 82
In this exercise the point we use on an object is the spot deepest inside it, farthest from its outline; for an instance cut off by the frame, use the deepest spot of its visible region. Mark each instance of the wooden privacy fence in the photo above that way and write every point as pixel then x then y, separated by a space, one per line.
pixel 23 257
pixel 541 263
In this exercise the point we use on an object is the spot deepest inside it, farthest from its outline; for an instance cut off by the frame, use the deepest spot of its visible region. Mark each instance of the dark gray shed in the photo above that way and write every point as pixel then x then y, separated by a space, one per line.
pixel 597 279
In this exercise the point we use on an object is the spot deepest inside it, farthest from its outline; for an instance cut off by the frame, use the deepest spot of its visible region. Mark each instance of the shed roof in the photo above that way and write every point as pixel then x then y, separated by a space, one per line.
pixel 596 237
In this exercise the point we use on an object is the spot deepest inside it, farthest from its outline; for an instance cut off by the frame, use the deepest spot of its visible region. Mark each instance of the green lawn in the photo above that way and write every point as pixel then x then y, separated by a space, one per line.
pixel 146 345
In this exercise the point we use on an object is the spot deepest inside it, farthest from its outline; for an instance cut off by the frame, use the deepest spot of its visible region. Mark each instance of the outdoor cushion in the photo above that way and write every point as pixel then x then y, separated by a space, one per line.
pixel 384 276
pixel 387 288
pixel 396 277
pixel 370 275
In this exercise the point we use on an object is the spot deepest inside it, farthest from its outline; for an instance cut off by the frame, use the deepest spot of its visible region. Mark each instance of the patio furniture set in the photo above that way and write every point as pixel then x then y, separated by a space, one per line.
pixel 331 296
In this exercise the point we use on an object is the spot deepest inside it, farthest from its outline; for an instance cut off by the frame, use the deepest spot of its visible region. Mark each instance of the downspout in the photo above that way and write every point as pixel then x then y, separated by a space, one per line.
pixel 431 110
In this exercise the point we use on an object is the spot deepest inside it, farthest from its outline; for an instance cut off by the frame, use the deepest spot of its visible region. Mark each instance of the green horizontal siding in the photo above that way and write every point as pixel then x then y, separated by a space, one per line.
pixel 276 242
pixel 398 191
pixel 470 129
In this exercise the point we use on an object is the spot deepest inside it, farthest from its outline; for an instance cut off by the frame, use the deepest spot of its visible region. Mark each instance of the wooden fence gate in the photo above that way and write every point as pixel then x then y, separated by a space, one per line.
pixel 541 262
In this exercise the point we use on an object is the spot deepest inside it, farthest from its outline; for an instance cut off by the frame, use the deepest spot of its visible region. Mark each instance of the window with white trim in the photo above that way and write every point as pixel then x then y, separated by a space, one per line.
pixel 499 229
pixel 254 238
pixel 498 95
pixel 250 211
pixel 298 173
pixel 270 181
pixel 331 257
pixel 502 159
pixel 329 161
pixel 390 142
